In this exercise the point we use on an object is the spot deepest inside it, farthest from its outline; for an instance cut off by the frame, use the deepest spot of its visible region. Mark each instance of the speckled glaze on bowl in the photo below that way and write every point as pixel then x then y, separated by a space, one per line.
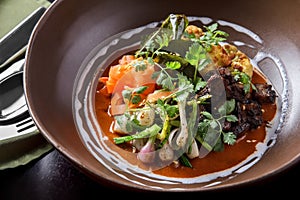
pixel 70 30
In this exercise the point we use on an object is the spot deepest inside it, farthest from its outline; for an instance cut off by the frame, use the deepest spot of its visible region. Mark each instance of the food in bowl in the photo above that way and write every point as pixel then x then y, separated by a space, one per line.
pixel 185 103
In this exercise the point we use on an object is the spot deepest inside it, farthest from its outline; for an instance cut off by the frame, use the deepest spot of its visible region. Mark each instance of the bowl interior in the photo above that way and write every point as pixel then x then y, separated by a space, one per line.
pixel 72 30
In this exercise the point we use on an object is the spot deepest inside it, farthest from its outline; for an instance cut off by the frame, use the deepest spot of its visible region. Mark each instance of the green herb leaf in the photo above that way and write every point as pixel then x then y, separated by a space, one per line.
pixel 199 84
pixel 140 90
pixel 227 107
pixel 163 79
pixel 148 132
pixel 229 138
pixel 231 118
pixel 185 161
pixel 207 115
pixel 195 54
pixel 244 79
pixel 212 36
pixel 136 99
pixel 140 65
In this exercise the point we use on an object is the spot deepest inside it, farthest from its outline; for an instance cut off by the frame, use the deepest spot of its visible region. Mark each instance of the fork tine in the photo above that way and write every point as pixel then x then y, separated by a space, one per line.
pixel 27 125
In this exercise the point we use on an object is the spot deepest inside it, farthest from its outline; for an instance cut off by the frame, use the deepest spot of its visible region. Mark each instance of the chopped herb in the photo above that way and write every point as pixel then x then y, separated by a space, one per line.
pixel 148 132
pixel 244 79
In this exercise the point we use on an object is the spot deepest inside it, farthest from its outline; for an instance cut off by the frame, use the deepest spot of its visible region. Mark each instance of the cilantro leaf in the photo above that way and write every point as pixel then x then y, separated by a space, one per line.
pixel 245 79
pixel 229 138
pixel 196 56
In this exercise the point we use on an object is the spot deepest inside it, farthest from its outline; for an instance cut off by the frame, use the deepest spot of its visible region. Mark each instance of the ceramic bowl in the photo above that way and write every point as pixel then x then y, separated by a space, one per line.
pixel 73 39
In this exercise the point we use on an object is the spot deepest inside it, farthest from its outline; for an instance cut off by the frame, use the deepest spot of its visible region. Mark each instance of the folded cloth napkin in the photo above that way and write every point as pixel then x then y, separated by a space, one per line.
pixel 23 149
pixel 12 12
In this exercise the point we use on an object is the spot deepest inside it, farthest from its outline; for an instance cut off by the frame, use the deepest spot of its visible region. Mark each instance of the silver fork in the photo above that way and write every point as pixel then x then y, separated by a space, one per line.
pixel 15 120
pixel 26 126
pixel 23 127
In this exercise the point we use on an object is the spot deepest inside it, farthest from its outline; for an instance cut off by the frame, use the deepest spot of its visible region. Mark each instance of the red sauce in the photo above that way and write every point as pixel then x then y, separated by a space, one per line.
pixel 214 161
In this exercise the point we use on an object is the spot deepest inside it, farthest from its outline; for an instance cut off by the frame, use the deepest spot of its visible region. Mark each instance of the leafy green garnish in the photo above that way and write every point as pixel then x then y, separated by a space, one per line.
pixel 167 109
pixel 140 65
pixel 164 79
pixel 244 79
pixel 199 84
pixel 130 123
pixel 227 108
pixel 210 129
pixel 211 36
pixel 172 28
pixel 133 95
pixel 184 88
pixel 185 161
pixel 197 57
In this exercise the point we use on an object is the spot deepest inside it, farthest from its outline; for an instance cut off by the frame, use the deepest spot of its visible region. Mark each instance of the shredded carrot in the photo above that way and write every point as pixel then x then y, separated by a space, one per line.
pixel 126 59
pixel 116 72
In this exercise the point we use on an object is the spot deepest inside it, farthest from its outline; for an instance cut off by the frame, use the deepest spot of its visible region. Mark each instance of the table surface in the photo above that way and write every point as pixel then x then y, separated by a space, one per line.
pixel 53 176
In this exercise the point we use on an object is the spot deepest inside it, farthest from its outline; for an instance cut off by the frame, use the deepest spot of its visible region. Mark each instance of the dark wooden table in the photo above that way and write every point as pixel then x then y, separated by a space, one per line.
pixel 53 176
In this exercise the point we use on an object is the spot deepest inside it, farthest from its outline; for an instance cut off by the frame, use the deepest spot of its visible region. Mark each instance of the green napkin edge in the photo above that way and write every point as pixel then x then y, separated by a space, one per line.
pixel 20 156
pixel 17 13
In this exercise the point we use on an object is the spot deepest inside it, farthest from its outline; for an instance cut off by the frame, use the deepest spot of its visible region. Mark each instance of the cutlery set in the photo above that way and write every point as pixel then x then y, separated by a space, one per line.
pixel 14 116
pixel 20 140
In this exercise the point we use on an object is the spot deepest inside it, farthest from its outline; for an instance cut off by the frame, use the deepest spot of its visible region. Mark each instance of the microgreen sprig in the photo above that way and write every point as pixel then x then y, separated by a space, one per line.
pixel 244 79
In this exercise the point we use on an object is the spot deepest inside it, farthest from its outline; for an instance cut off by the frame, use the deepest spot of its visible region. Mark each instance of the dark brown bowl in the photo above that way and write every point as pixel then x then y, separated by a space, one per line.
pixel 70 30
